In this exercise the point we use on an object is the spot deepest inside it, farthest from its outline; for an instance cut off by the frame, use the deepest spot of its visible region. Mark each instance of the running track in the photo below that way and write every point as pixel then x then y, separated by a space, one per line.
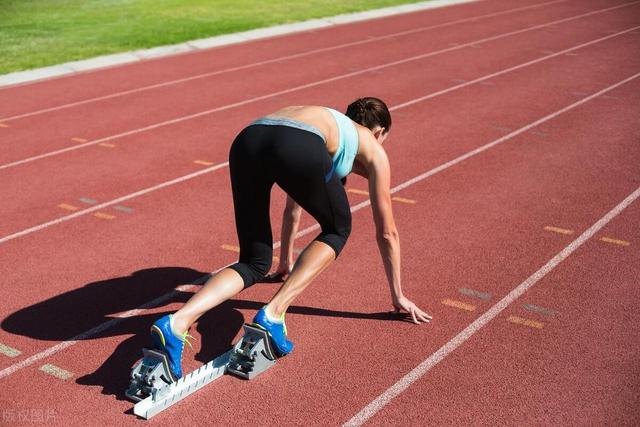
pixel 514 154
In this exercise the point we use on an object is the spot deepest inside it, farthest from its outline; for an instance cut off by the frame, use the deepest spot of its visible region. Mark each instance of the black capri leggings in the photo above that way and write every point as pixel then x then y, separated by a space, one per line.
pixel 297 160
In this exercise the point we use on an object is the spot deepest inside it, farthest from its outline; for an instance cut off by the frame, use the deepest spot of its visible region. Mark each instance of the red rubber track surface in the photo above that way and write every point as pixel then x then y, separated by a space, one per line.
pixel 478 224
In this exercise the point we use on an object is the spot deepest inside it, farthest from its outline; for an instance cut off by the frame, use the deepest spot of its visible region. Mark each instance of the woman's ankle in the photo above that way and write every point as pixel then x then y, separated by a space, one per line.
pixel 179 324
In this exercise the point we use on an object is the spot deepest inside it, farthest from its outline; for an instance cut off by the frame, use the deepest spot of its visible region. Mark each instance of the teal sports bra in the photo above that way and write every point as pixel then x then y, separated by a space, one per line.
pixel 347 149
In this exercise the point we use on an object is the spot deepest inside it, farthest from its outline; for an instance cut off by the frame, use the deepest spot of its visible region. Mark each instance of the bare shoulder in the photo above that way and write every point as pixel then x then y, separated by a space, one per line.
pixel 370 151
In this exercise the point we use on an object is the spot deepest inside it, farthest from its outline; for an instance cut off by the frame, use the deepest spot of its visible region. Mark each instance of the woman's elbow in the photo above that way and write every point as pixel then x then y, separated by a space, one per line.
pixel 388 234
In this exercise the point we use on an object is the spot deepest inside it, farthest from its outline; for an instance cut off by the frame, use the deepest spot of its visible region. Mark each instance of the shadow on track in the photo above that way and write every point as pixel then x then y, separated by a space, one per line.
pixel 70 314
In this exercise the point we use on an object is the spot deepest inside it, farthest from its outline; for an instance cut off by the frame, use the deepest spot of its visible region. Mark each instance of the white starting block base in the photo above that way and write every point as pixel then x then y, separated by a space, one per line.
pixel 251 356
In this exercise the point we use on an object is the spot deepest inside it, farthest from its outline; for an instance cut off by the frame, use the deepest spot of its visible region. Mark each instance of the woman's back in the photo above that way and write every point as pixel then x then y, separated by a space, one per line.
pixel 318 117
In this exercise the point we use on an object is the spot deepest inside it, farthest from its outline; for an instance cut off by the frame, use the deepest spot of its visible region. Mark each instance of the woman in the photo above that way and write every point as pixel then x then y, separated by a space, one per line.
pixel 308 151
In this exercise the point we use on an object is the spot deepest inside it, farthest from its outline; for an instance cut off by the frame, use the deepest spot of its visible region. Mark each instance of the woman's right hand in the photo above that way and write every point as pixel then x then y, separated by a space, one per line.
pixel 279 275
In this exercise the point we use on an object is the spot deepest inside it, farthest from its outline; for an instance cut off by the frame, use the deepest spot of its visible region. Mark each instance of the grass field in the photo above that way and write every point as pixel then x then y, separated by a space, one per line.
pixel 37 33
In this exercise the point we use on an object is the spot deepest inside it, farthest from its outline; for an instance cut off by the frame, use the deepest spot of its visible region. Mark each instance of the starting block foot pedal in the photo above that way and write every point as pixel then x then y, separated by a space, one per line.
pixel 253 354
pixel 149 375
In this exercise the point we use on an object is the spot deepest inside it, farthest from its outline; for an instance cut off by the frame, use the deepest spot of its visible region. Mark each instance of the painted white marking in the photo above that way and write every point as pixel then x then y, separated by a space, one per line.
pixel 123 209
pixel 538 309
pixel 56 371
pixel 9 351
pixel 61 346
pixel 475 294
pixel 329 80
pixel 579 93
pixel 230 38
pixel 392 392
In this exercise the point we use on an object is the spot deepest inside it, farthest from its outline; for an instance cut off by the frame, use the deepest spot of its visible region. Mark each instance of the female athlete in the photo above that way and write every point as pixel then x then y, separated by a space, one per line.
pixel 308 151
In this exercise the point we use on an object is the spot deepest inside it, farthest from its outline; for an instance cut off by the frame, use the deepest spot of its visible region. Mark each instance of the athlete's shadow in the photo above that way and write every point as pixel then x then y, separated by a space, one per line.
pixel 104 309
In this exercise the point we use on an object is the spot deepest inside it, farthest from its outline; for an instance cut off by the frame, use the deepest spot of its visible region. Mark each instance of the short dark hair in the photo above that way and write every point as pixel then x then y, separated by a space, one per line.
pixel 370 112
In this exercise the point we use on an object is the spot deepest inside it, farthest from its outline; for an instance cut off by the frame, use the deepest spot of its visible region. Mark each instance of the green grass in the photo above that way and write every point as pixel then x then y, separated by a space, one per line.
pixel 37 33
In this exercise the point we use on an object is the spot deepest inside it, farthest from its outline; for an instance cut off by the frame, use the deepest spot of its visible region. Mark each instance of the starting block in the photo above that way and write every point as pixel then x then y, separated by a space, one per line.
pixel 149 375
pixel 154 388
pixel 252 355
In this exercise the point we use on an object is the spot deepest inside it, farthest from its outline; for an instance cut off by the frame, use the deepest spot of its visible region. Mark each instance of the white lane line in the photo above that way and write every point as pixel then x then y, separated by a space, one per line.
pixel 478 150
pixel 516 67
pixel 322 82
pixel 111 203
pixel 161 299
pixel 403 105
pixel 275 60
pixel 381 401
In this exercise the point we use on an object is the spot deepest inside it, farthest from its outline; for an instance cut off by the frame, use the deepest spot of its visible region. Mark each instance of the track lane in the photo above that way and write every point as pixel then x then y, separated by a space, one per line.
pixel 86 229
pixel 134 115
pixel 99 177
pixel 580 368
pixel 306 52
pixel 317 372
pixel 106 81
pixel 576 159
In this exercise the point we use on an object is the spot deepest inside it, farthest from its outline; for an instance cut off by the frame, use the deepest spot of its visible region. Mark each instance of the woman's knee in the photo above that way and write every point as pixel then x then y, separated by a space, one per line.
pixel 253 269
pixel 337 239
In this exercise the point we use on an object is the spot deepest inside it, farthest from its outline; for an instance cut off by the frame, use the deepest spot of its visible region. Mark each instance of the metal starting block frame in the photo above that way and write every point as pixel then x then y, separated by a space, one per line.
pixel 154 389
pixel 150 374
pixel 252 355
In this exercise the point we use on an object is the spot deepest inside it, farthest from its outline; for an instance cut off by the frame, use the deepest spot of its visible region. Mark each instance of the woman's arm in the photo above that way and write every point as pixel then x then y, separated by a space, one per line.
pixel 359 169
pixel 387 237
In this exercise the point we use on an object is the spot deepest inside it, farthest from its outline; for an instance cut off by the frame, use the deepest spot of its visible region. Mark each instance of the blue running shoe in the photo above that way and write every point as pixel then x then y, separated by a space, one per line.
pixel 166 341
pixel 277 331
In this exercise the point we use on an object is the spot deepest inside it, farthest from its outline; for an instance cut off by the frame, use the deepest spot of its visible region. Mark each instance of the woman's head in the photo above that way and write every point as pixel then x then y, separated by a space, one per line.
pixel 371 113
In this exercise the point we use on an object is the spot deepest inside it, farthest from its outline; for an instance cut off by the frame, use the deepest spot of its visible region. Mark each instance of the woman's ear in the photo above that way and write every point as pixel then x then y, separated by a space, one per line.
pixel 380 135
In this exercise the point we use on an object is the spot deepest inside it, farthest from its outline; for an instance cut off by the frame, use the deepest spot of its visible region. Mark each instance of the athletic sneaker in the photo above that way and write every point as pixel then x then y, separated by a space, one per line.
pixel 277 331
pixel 165 340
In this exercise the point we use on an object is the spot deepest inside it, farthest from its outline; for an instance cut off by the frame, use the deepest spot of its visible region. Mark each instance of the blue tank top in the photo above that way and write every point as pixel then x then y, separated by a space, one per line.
pixel 347 148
